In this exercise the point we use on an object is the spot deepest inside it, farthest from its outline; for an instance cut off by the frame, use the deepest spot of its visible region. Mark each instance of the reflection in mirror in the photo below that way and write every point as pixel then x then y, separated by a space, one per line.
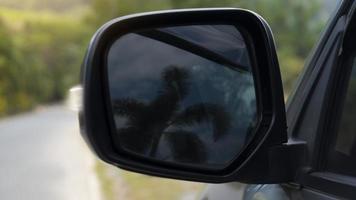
pixel 183 94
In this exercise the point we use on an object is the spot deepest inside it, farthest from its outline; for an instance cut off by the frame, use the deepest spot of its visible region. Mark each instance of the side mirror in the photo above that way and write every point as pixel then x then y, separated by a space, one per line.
pixel 186 94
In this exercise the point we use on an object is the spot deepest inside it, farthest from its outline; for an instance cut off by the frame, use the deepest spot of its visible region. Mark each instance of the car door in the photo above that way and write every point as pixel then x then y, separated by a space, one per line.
pixel 320 112
pixel 325 118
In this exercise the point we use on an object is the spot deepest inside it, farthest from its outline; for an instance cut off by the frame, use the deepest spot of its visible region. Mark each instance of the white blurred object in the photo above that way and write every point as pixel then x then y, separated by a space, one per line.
pixel 74 100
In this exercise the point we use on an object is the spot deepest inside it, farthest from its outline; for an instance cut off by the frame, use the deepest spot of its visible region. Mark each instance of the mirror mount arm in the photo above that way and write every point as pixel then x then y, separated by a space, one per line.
pixel 277 164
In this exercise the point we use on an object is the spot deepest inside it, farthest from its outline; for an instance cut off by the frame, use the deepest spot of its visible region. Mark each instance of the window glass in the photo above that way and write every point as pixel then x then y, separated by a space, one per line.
pixel 341 158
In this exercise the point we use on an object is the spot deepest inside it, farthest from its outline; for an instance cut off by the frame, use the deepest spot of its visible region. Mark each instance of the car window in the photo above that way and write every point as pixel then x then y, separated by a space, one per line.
pixel 342 155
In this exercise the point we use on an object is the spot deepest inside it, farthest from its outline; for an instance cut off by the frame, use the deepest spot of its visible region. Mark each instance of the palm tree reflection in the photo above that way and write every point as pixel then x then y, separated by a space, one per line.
pixel 147 123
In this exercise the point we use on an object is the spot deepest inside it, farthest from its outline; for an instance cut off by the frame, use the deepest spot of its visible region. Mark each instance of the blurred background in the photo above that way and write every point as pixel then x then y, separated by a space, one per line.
pixel 42 44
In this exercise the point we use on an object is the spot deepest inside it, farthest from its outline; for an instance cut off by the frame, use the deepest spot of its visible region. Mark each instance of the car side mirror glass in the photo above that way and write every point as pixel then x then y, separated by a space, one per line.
pixel 182 94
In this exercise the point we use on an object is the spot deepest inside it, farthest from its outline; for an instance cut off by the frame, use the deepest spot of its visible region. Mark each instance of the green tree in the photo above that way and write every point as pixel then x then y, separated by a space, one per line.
pixel 104 10
pixel 12 91
pixel 51 53
pixel 40 58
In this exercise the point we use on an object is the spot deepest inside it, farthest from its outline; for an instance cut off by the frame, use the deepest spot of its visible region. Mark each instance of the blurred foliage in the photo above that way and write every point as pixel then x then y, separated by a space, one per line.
pixel 119 184
pixel 42 44
pixel 296 24
pixel 51 5
pixel 40 57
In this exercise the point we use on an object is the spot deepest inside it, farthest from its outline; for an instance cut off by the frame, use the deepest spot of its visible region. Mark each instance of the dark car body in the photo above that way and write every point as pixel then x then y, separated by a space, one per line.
pixel 313 115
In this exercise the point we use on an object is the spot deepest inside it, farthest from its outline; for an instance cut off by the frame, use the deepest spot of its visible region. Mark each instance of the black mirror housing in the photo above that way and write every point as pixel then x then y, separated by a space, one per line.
pixel 255 163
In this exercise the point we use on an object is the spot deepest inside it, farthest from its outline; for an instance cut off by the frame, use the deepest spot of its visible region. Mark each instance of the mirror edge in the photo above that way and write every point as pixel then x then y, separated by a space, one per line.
pixel 96 129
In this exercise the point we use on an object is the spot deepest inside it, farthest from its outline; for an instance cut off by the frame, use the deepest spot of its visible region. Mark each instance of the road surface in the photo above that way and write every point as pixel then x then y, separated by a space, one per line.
pixel 43 157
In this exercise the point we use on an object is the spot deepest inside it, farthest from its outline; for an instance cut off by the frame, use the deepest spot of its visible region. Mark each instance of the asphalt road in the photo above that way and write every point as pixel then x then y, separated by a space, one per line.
pixel 42 157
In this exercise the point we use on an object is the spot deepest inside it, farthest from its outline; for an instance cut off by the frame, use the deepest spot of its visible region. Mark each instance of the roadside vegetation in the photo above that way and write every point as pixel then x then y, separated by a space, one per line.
pixel 119 184
pixel 40 57
pixel 42 46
